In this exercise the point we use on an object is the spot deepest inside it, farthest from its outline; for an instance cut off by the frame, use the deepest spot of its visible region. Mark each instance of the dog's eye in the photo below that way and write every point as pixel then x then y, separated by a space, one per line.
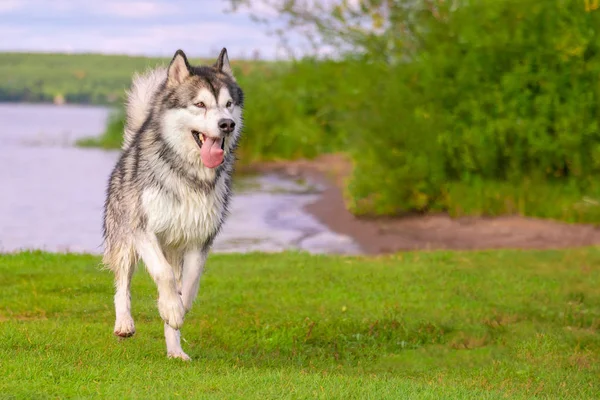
pixel 200 105
pixel 229 104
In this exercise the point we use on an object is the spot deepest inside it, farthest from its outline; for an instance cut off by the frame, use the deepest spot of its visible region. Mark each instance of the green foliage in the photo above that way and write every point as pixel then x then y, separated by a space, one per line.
pixel 394 146
pixel 74 78
pixel 521 82
pixel 78 78
pixel 292 112
pixel 517 324
pixel 501 95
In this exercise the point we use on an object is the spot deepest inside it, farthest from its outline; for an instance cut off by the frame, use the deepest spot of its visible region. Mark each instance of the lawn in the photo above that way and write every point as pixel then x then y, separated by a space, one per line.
pixel 516 324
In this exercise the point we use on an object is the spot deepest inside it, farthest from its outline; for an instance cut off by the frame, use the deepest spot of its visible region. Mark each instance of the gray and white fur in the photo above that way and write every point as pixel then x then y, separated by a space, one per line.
pixel 168 194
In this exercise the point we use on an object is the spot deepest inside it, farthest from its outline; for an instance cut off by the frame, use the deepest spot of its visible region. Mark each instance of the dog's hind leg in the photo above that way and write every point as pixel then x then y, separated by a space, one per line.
pixel 122 261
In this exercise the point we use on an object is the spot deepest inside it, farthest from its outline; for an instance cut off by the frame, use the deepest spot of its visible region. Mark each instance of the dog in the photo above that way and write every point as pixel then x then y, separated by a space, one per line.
pixel 168 194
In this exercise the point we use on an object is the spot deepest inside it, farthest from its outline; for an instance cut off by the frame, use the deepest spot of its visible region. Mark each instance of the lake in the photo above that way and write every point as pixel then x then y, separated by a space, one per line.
pixel 53 192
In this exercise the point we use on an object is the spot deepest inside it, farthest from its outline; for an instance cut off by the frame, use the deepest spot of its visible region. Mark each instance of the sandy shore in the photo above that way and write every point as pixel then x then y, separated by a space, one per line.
pixel 388 235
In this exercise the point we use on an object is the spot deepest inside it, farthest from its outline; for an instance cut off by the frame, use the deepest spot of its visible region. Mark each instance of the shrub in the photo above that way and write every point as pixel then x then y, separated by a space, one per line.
pixel 502 95
pixel 292 112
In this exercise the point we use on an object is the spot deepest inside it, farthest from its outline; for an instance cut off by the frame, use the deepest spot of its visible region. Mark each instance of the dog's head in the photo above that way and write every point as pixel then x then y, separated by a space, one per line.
pixel 203 109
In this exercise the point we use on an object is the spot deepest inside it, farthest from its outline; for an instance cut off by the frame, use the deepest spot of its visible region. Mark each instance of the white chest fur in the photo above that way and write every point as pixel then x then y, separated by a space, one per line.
pixel 188 219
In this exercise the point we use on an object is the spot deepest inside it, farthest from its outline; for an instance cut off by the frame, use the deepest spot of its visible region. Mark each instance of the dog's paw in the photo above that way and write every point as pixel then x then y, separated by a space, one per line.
pixel 172 311
pixel 124 326
pixel 179 354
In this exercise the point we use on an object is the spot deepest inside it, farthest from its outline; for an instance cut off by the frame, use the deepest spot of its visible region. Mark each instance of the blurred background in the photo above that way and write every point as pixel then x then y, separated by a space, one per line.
pixel 370 126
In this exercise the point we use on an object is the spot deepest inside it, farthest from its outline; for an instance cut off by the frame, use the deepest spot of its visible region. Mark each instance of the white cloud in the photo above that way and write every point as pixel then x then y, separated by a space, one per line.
pixel 116 8
pixel 136 27
pixel 260 9
pixel 133 9
pixel 10 5
pixel 153 40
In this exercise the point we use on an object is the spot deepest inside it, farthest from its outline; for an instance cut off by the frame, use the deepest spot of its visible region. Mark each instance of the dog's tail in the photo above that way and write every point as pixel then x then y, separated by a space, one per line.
pixel 139 101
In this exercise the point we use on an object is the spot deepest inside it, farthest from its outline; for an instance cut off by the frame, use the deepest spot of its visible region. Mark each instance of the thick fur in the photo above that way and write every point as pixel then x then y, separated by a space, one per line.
pixel 139 99
pixel 163 205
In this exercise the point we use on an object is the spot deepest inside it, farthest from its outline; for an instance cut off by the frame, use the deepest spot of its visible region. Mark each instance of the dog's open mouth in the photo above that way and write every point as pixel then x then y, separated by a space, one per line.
pixel 212 149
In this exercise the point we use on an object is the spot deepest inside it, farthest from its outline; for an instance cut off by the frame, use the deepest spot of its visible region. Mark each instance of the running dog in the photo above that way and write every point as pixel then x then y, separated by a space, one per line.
pixel 169 191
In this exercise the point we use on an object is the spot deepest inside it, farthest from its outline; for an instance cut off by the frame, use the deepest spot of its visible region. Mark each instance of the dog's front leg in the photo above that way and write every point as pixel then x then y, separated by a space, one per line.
pixel 173 340
pixel 170 305
pixel 193 265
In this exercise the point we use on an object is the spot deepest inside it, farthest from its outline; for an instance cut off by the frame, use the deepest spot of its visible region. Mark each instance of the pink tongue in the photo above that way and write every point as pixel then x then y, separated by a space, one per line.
pixel 211 153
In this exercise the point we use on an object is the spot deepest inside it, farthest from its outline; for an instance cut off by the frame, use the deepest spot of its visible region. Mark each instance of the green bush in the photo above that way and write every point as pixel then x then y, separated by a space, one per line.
pixel 292 112
pixel 502 95
pixel 397 162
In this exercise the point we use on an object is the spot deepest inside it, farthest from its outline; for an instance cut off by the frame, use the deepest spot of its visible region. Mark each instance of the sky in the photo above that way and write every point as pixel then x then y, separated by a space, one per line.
pixel 137 27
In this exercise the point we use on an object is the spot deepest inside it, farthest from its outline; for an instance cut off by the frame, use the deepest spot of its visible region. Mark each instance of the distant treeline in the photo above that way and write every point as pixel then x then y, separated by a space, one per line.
pixel 74 78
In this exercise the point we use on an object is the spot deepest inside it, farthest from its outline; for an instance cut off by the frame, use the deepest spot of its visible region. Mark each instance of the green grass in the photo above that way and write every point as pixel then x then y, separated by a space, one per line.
pixel 517 324
pixel 567 201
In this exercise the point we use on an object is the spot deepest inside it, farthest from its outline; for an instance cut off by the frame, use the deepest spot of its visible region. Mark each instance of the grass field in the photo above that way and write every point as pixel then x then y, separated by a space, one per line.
pixel 516 324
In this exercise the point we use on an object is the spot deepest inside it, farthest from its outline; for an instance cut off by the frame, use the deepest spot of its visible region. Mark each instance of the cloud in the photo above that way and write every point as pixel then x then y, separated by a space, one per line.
pixel 198 40
pixel 260 9
pixel 10 5
pixel 134 9
pixel 136 27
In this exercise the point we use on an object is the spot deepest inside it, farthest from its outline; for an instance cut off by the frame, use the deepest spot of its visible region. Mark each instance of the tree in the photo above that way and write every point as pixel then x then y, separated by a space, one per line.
pixel 387 29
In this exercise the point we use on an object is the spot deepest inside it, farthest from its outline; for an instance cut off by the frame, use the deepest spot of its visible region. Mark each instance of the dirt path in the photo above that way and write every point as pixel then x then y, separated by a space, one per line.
pixel 385 235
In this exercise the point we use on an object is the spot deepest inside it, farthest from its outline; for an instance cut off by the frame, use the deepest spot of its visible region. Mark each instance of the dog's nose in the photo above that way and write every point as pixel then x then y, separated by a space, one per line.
pixel 226 125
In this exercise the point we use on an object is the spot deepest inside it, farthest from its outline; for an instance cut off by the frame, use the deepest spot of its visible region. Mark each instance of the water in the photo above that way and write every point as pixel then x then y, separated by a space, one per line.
pixel 52 193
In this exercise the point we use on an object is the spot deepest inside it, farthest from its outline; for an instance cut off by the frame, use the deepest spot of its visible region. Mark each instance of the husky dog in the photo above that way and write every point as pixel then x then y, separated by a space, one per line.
pixel 168 194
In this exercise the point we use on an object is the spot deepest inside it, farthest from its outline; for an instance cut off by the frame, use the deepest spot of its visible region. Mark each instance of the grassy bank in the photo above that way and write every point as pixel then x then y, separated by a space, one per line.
pixel 430 325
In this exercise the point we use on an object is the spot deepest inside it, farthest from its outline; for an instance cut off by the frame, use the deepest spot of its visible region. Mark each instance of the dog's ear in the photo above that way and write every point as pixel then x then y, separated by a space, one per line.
pixel 222 63
pixel 179 69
